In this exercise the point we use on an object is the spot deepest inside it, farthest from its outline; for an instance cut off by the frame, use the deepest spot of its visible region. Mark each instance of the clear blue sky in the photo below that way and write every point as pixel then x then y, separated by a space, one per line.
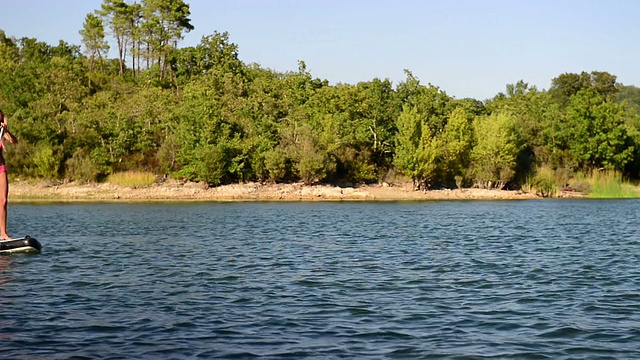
pixel 468 48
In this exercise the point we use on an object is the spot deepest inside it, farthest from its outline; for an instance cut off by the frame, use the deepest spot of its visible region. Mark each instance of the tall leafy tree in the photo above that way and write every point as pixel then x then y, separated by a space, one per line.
pixel 538 117
pixel 134 31
pixel 94 39
pixel 493 158
pixel 226 121
pixel 9 53
pixel 456 141
pixel 214 52
pixel 118 16
pixel 416 148
pixel 9 65
pixel 431 102
pixel 629 95
pixel 167 21
pixel 568 84
pixel 597 132
pixel 378 109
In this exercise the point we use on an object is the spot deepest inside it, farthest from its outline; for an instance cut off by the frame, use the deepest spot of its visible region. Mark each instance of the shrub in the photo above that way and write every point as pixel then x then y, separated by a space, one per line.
pixel 275 162
pixel 80 167
pixel 544 183
pixel 47 161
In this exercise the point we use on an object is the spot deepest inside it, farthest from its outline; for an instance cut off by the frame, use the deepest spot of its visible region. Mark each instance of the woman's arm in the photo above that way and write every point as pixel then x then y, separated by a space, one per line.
pixel 10 137
pixel 7 134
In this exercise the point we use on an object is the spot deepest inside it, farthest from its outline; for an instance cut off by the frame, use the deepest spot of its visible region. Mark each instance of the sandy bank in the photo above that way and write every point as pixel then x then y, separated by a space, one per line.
pixel 179 191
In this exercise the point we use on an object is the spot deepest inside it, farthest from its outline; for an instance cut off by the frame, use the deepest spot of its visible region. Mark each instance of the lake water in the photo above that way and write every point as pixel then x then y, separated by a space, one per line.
pixel 554 279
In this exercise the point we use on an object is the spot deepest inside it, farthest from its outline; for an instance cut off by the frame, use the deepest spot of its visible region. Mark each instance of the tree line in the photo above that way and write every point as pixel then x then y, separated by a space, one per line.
pixel 201 114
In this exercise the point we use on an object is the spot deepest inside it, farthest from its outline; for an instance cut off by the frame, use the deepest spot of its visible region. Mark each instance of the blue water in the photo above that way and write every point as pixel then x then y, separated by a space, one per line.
pixel 556 279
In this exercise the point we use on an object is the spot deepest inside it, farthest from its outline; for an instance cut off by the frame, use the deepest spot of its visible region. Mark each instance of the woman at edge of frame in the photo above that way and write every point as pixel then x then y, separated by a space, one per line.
pixel 4 179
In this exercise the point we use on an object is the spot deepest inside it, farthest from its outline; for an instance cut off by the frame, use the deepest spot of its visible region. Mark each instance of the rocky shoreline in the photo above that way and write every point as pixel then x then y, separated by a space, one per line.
pixel 22 191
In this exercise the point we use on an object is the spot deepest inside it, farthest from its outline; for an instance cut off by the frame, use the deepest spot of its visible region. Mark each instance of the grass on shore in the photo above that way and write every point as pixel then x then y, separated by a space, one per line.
pixel 132 179
pixel 610 185
pixel 606 184
pixel 546 182
pixel 598 185
pixel 543 183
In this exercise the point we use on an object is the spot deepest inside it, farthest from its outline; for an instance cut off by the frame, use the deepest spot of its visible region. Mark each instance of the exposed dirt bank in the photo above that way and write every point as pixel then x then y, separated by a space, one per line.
pixel 179 191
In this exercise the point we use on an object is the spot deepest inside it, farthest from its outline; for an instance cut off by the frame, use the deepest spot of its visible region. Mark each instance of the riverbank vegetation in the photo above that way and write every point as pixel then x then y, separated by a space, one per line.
pixel 201 114
pixel 607 185
pixel 132 178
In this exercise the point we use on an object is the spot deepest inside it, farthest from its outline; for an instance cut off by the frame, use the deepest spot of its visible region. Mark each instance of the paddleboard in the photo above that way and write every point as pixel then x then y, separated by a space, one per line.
pixel 25 244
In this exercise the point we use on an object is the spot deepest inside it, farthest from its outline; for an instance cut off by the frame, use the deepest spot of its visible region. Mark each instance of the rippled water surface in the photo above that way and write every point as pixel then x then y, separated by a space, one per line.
pixel 516 279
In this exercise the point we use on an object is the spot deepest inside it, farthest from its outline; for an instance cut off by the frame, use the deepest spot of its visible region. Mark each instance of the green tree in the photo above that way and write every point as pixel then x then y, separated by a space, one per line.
pixel 356 124
pixel 9 68
pixel 378 109
pixel 311 164
pixel 538 123
pixel 133 29
pixel 597 131
pixel 457 141
pixel 47 161
pixel 214 52
pixel 566 85
pixel 493 158
pixel 9 54
pixel 416 149
pixel 167 20
pixel 431 103
pixel 93 38
pixel 118 15
pixel 629 95
pixel 276 164
pixel 310 160
pixel 209 123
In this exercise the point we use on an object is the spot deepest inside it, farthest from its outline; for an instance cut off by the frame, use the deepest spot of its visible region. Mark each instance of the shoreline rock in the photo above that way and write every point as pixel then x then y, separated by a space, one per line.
pixel 22 191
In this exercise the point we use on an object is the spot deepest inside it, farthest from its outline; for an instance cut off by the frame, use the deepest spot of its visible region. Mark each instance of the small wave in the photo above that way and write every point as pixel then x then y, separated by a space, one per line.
pixel 562 332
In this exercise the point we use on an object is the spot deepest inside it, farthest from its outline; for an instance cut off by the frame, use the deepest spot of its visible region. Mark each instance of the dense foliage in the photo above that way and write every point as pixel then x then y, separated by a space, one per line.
pixel 200 113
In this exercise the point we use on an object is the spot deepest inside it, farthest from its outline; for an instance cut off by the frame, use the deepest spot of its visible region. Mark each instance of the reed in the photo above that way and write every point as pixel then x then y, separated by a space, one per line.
pixel 132 178
pixel 610 184
pixel 543 183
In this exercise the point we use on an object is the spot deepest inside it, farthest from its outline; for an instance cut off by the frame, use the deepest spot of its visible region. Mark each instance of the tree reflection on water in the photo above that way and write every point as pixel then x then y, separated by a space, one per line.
pixel 5 277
